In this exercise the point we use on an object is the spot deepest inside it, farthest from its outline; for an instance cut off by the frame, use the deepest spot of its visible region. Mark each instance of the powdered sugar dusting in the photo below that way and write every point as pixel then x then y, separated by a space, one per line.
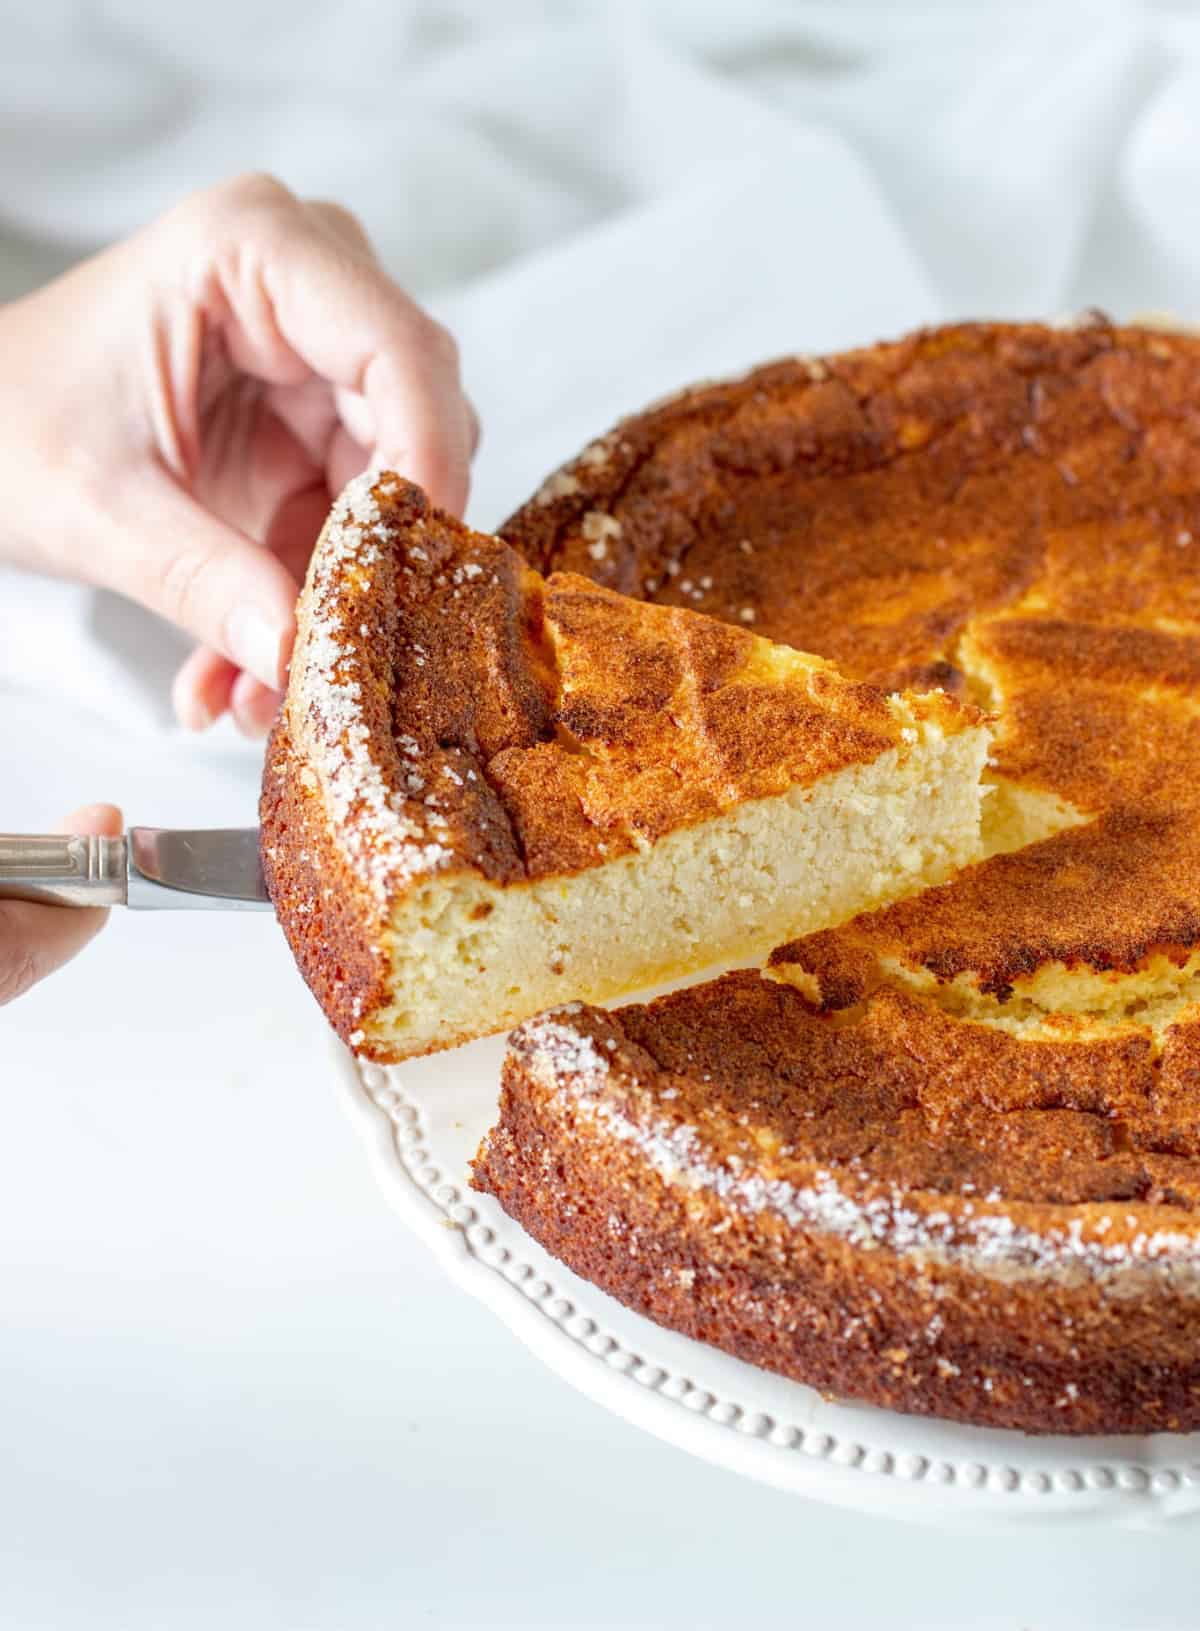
pixel 562 484
pixel 598 529
pixel 597 454
pixel 989 1242
pixel 327 706
pixel 557 1048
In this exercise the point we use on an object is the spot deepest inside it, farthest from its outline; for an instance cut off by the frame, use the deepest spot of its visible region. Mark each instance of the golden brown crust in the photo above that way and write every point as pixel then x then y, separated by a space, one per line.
pixel 889 495
pixel 353 810
pixel 400 806
pixel 333 925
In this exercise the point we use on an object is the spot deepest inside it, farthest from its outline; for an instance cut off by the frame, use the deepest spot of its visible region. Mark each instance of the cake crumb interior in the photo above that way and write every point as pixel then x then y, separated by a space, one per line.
pixel 467 955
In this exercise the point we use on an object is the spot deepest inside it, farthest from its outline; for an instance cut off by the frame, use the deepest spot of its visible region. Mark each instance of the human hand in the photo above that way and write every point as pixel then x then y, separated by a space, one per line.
pixel 179 410
pixel 35 940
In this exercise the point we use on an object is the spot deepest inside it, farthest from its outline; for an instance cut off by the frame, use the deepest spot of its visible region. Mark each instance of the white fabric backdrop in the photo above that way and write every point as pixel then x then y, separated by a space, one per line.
pixel 608 200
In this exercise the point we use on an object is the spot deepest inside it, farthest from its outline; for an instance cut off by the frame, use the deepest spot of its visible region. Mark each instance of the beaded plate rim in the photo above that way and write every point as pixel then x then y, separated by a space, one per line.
pixel 917 1468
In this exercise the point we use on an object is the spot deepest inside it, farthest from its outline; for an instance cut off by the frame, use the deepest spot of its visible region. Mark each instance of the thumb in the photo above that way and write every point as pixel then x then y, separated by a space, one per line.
pixel 180 561
pixel 36 940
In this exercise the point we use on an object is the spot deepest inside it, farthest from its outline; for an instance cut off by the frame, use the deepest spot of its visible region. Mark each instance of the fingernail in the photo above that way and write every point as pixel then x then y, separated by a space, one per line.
pixel 191 710
pixel 255 644
pixel 251 727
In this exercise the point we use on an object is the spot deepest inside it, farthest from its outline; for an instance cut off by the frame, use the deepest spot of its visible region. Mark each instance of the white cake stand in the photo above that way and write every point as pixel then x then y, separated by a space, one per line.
pixel 422 1123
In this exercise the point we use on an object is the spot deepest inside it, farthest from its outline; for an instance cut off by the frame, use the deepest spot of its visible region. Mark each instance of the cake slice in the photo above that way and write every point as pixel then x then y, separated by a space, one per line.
pixel 489 792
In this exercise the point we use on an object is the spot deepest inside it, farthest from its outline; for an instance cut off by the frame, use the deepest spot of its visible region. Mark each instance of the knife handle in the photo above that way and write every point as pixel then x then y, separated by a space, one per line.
pixel 75 870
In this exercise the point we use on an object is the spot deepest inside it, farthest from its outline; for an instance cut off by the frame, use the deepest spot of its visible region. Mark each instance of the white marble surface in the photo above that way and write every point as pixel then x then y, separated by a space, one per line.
pixel 235 1392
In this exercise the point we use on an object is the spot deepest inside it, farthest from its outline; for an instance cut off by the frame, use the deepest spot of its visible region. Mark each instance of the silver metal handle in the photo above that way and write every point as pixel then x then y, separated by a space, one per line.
pixel 64 871
pixel 149 868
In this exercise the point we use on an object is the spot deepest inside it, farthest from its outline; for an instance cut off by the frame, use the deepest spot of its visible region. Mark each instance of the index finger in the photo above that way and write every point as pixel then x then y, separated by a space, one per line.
pixel 294 293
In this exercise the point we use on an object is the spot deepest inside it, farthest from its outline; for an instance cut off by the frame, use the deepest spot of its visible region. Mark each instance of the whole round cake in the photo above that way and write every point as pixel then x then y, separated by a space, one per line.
pixel 944 1157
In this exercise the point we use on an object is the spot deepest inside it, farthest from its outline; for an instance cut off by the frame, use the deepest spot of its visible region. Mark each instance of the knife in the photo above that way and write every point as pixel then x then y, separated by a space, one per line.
pixel 150 868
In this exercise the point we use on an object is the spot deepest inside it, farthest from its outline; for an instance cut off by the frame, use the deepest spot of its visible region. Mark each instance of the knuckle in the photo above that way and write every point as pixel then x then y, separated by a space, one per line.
pixel 343 223
pixel 253 190
pixel 183 581
pixel 442 344
pixel 252 196
pixel 228 210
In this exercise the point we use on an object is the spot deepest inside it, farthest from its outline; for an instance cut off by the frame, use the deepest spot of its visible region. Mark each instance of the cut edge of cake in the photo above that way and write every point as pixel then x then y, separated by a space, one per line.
pixel 469 957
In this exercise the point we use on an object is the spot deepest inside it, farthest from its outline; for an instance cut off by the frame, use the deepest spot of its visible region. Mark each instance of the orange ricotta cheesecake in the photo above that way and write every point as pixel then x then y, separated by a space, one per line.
pixel 944 1157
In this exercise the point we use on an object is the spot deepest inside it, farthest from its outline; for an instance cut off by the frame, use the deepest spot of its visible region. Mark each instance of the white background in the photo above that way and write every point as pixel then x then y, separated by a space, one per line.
pixel 232 1391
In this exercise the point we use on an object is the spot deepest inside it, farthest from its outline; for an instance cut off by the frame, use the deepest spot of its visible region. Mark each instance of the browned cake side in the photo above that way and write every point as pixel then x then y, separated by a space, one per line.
pixel 956 1167
pixel 889 1208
